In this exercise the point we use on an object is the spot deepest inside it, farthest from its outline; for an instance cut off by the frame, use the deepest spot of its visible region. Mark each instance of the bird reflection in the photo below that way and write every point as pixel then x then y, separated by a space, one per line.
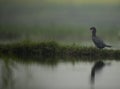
pixel 96 67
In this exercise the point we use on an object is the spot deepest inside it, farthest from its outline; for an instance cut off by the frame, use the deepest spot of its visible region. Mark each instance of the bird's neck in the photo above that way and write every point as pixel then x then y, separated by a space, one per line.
pixel 94 34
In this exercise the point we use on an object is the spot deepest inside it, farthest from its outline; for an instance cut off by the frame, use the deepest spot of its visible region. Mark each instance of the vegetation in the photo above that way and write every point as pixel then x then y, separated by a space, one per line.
pixel 52 50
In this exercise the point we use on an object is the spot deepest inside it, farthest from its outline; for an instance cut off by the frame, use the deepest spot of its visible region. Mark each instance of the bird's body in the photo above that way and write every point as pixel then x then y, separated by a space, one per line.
pixel 99 43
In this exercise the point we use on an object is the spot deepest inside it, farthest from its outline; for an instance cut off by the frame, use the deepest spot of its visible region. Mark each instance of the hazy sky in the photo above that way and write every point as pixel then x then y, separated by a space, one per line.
pixel 86 1
pixel 66 1
pixel 69 12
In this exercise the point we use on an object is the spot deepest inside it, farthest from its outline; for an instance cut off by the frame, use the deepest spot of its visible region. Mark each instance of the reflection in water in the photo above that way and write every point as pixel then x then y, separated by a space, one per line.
pixel 96 67
pixel 64 75
pixel 7 74
pixel 7 81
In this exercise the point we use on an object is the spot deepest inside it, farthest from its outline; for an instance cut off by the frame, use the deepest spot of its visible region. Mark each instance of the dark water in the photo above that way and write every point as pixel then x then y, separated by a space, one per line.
pixel 64 75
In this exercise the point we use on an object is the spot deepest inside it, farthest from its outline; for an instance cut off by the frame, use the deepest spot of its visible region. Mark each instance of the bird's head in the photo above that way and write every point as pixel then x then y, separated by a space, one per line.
pixel 93 29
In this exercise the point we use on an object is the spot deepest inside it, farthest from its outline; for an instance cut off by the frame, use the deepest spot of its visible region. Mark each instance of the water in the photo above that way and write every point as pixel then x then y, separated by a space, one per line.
pixel 63 75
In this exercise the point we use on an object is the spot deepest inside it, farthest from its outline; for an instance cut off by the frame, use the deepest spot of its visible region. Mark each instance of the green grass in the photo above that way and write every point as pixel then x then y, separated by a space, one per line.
pixel 53 32
pixel 52 50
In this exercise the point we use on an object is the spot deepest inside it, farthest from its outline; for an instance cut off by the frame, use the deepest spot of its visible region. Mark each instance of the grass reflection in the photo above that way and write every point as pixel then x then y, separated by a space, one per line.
pixel 7 74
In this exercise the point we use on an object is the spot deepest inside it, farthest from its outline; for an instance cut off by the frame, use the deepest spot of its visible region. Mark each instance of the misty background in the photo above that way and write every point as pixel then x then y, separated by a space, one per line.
pixel 64 21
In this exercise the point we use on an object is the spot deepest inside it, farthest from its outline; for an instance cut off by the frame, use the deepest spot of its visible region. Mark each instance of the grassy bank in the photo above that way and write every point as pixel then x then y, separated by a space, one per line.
pixel 42 50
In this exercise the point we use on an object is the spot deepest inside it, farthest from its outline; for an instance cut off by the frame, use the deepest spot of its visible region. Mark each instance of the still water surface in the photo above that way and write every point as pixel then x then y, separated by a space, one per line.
pixel 64 75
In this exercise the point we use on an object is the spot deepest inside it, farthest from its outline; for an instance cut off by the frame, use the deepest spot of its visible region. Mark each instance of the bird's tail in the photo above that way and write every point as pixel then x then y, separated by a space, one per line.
pixel 108 46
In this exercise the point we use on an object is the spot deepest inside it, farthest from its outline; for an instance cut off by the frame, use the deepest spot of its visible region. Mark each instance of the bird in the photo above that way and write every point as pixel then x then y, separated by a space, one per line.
pixel 99 43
